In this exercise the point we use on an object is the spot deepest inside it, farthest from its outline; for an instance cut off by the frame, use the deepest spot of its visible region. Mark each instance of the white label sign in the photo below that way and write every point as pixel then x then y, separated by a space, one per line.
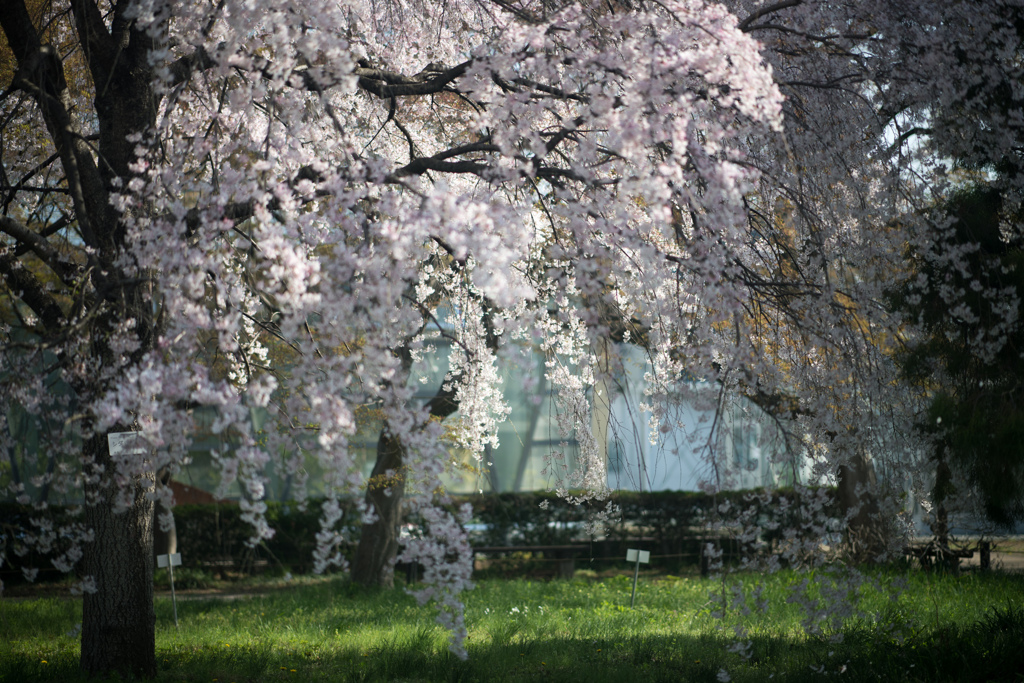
pixel 127 443
pixel 644 556
pixel 165 560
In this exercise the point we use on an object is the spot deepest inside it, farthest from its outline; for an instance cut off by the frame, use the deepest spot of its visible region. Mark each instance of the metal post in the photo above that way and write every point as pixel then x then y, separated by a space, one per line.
pixel 640 490
pixel 174 600
pixel 636 575
pixel 169 561
pixel 641 557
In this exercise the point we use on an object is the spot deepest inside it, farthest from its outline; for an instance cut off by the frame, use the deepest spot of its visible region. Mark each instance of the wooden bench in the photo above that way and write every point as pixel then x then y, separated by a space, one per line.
pixel 565 555
pixel 930 552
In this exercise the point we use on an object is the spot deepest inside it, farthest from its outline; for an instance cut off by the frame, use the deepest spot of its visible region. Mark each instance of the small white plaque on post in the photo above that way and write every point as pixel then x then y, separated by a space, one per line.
pixel 123 444
pixel 637 556
pixel 168 560
pixel 641 556
pixel 171 561
pixel 127 443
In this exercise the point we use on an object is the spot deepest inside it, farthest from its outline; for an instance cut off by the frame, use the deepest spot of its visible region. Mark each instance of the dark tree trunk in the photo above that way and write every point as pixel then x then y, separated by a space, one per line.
pixel 118 621
pixel 378 545
pixel 864 532
pixel 943 489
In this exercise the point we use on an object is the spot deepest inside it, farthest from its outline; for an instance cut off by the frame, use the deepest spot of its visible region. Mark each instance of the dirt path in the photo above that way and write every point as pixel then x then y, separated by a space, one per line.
pixel 222 591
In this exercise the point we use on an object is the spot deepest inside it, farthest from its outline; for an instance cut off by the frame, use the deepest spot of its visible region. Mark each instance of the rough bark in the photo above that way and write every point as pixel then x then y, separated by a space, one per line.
pixel 864 531
pixel 378 545
pixel 374 564
pixel 118 618
pixel 118 621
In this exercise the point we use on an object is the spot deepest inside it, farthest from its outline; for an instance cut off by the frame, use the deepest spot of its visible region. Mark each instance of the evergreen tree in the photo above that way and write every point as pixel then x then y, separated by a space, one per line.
pixel 972 354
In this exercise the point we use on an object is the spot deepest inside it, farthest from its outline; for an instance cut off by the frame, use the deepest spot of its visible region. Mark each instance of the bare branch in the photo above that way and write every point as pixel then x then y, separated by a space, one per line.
pixel 745 25
pixel 438 163
pixel 385 84
pixel 26 287
pixel 183 68
pixel 94 38
pixel 43 249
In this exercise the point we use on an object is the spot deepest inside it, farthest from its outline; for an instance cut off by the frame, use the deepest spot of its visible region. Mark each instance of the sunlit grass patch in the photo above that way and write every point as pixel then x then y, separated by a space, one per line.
pixel 939 627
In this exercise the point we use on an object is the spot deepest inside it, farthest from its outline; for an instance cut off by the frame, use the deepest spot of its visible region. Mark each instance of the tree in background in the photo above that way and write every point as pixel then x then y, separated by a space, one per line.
pixel 964 288
pixel 222 179
pixel 975 411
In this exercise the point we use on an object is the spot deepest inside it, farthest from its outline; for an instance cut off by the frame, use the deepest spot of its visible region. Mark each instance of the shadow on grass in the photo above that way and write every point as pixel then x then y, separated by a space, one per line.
pixel 991 649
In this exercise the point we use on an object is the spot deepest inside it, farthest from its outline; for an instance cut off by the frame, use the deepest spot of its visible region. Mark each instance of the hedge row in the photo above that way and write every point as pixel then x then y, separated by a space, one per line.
pixel 215 534
pixel 670 524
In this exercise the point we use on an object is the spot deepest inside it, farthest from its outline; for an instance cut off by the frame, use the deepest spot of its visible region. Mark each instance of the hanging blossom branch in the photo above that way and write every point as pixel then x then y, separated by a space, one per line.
pixel 280 197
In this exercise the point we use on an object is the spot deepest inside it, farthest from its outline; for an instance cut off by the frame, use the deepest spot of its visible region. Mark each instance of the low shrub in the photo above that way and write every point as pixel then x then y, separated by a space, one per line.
pixel 671 524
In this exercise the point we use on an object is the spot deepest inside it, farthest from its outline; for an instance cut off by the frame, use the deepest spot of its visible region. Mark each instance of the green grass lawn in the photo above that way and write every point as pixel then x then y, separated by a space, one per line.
pixel 939 628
